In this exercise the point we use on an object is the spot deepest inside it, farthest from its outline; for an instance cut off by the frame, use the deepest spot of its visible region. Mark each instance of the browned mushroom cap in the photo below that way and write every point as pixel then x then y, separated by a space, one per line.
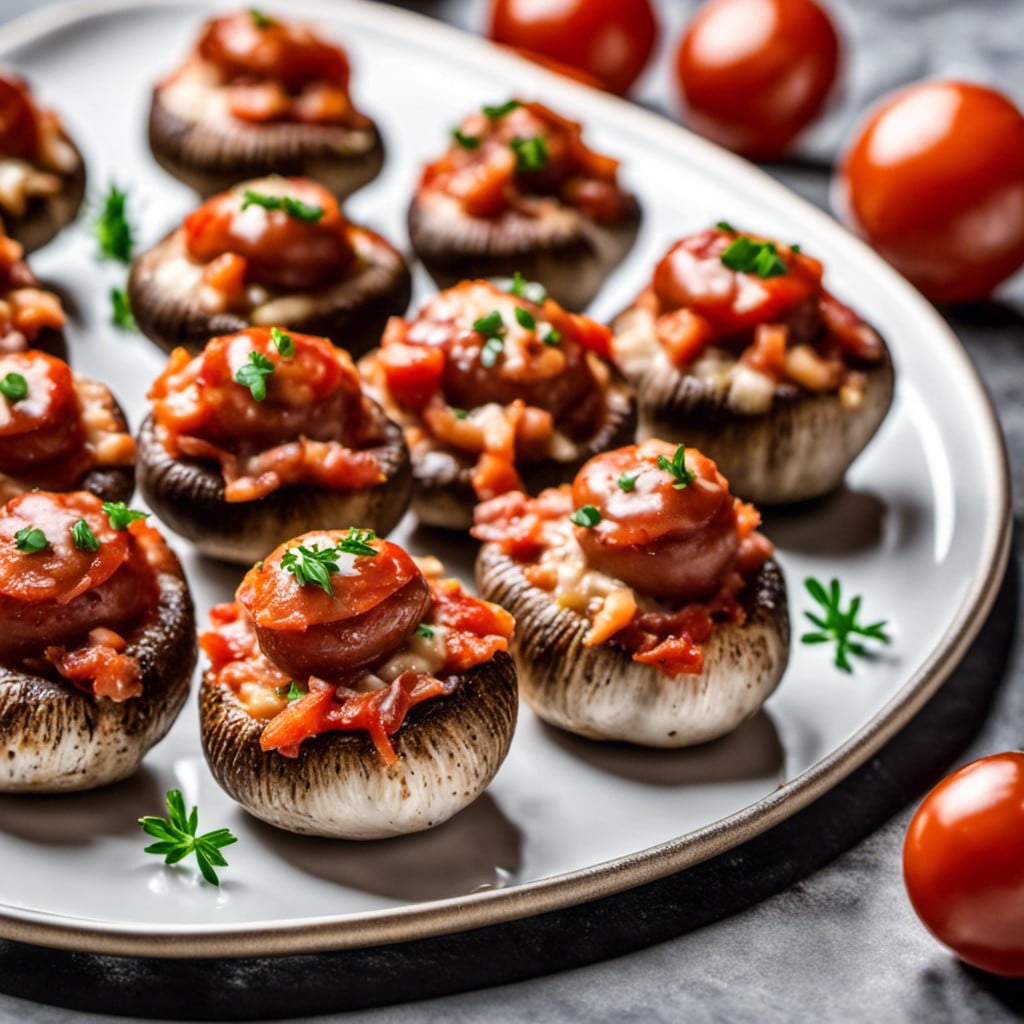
pixel 351 313
pixel 55 738
pixel 45 216
pixel 211 157
pixel 601 693
pixel 443 494
pixel 188 495
pixel 449 749
pixel 568 253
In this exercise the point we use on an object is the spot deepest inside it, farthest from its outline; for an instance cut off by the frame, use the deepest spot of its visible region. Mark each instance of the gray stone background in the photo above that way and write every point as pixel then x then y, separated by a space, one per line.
pixel 842 945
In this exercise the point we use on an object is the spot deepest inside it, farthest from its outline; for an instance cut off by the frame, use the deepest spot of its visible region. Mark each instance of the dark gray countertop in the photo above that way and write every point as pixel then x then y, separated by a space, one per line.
pixel 843 944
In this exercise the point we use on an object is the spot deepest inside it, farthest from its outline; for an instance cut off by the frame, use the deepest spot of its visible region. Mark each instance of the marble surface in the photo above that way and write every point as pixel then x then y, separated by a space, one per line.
pixel 843 944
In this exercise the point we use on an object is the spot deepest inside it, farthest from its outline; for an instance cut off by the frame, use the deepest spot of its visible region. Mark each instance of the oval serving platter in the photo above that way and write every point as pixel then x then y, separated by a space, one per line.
pixel 921 530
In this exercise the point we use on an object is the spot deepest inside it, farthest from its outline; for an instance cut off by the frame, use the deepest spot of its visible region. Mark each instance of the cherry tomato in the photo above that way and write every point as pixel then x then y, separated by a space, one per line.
pixel 963 863
pixel 608 39
pixel 935 182
pixel 754 73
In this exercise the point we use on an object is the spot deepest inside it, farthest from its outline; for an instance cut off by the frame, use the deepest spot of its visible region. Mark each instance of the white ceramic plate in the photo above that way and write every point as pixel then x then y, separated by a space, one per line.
pixel 921 532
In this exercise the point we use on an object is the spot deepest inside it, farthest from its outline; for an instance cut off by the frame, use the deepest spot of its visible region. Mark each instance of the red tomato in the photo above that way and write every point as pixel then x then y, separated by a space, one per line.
pixel 608 39
pixel 935 182
pixel 755 72
pixel 963 863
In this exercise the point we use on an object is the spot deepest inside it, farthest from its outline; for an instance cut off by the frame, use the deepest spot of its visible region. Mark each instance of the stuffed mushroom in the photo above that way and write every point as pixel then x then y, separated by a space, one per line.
pixel 272 251
pixel 736 347
pixel 353 692
pixel 648 608
pixel 60 431
pixel 42 175
pixel 265 434
pixel 497 390
pixel 98 642
pixel 261 95
pixel 518 190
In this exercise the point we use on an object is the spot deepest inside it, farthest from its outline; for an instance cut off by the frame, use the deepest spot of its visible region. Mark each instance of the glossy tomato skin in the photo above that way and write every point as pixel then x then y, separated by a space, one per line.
pixel 963 863
pixel 754 73
pixel 610 40
pixel 935 182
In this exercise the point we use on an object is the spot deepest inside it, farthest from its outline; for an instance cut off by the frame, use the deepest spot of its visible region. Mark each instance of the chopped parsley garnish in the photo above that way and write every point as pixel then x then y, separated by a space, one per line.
pixel 552 336
pixel 750 257
pixel 494 113
pixel 490 324
pixel 459 414
pixel 521 288
pixel 839 626
pixel 491 327
pixel 531 154
pixel 357 542
pixel 465 141
pixel 253 375
pixel 724 225
pixel 525 318
pixel 176 838
pixel 111 228
pixel 312 565
pixel 259 19
pixel 258 565
pixel 676 466
pixel 13 387
pixel 121 315
pixel 795 247
pixel 30 539
pixel 293 691
pixel 627 482
pixel 282 342
pixel 83 537
pixel 120 516
pixel 293 207
pixel 424 631
pixel 586 516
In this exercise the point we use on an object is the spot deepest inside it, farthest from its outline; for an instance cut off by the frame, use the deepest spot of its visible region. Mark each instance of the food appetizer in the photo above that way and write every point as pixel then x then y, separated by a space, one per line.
pixel 736 347
pixel 97 646
pixel 273 251
pixel 353 692
pixel 266 434
pixel 60 431
pixel 497 390
pixel 648 608
pixel 30 316
pixel 259 95
pixel 517 189
pixel 42 174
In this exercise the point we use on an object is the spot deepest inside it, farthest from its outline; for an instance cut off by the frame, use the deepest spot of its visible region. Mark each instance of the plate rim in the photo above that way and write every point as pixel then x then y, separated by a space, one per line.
pixel 477 910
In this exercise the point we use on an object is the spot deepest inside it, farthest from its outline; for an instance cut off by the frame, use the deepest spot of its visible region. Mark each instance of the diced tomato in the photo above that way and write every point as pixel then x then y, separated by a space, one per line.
pixel 675 656
pixel 100 668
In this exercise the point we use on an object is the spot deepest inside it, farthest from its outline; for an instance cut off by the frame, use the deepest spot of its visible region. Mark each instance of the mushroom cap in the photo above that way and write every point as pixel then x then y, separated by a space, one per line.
pixel 443 494
pixel 601 693
pixel 54 738
pixel 449 749
pixel 352 313
pixel 568 253
pixel 188 495
pixel 211 158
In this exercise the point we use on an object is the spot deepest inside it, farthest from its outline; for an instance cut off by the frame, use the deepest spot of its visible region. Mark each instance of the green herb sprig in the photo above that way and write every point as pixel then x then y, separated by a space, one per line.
pixel 176 838
pixel 521 288
pixel 627 482
pixel 676 467
pixel 282 342
pixel 424 631
pixel 492 327
pixel 120 516
pixel 83 537
pixel 294 208
pixel 499 111
pixel 750 257
pixel 292 691
pixel 112 229
pixel 30 539
pixel 464 140
pixel 259 19
pixel 253 375
pixel 13 387
pixel 357 542
pixel 312 565
pixel 531 153
pixel 121 315
pixel 587 516
pixel 838 626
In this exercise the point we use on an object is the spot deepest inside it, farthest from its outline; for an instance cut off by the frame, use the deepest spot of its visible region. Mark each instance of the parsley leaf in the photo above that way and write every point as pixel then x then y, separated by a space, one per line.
pixel 750 257
pixel 295 208
pixel 259 19
pixel 531 154
pixel 176 838
pixel 525 318
pixel 551 336
pixel 253 375
pixel 13 387
pixel 30 539
pixel 282 342
pixel 724 225
pixel 840 626
pixel 586 516
pixel 312 565
pixel 626 482
pixel 676 466
pixel 120 515
pixel 293 691
pixel 121 315
pixel 501 110
pixel 111 228
pixel 533 291
pixel 357 542
pixel 423 630
pixel 490 324
pixel 491 327
pixel 83 537
pixel 459 414
pixel 465 141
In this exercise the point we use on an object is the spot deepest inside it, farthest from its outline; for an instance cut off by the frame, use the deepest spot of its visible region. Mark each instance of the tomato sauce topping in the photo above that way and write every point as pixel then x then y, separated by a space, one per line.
pixel 69 592
pixel 519 155
pixel 493 374
pixel 455 631
pixel 25 309
pixel 761 313
pixel 278 71
pixel 311 425
pixel 656 518
pixel 286 234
